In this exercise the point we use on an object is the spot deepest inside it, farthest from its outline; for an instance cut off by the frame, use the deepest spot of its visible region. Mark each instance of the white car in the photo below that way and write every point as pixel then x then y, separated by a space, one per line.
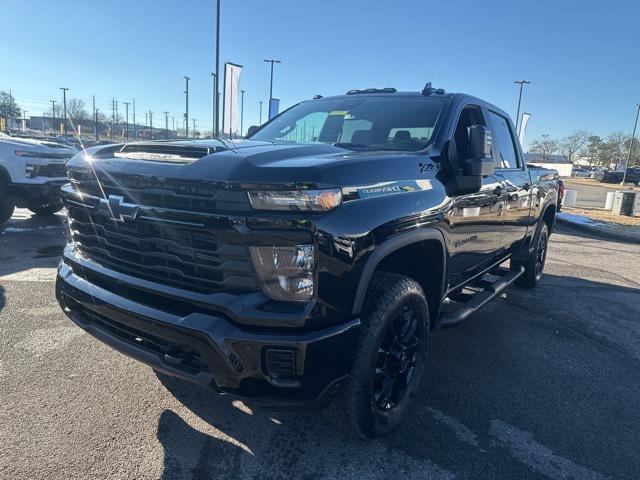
pixel 31 174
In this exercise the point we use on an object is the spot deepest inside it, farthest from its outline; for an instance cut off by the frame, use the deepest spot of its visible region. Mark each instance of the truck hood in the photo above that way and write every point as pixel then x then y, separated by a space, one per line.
pixel 247 163
pixel 35 145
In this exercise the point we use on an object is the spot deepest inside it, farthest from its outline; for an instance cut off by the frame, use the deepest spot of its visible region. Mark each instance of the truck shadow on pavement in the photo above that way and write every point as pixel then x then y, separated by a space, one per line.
pixel 516 392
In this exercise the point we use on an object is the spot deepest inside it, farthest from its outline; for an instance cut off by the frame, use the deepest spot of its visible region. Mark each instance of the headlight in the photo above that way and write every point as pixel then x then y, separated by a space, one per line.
pixel 307 200
pixel 286 273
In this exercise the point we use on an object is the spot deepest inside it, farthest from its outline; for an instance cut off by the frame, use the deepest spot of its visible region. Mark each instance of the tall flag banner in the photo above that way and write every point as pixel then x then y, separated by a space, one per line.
pixel 523 127
pixel 274 106
pixel 231 94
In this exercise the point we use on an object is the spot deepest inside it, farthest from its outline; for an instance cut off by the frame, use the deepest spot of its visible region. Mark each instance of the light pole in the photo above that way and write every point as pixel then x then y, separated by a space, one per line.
pixel 260 122
pixel 166 124
pixel 186 113
pixel 194 127
pixel 633 140
pixel 241 112
pixel 271 85
pixel 213 106
pixel 135 125
pixel 64 102
pixel 522 83
pixel 126 114
pixel 53 114
pixel 151 124
pixel 217 74
pixel 24 120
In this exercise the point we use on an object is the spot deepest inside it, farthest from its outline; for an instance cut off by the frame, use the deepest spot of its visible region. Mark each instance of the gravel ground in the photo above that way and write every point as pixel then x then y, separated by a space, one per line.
pixel 542 383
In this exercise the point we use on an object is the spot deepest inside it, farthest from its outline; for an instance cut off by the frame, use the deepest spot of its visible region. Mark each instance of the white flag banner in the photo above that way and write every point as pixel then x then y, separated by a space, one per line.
pixel 523 127
pixel 231 95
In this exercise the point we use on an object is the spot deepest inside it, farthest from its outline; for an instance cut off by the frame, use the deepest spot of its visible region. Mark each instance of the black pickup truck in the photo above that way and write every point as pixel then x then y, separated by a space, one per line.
pixel 313 259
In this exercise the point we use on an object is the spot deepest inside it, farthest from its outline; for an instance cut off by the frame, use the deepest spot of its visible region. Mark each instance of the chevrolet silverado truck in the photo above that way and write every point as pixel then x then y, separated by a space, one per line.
pixel 312 260
pixel 31 174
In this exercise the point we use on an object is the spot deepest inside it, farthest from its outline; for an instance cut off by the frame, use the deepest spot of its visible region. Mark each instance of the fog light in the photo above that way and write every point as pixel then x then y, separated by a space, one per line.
pixel 286 273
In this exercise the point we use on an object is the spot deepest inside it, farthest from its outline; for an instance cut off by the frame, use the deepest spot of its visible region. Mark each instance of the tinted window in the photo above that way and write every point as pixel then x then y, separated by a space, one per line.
pixel 390 122
pixel 506 156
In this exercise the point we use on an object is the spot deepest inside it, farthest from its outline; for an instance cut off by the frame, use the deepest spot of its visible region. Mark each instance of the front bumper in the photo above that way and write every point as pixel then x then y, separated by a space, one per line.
pixel 278 367
pixel 26 194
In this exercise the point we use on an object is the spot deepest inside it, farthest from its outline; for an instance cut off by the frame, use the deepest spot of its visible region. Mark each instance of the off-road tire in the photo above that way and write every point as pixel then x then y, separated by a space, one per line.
pixel 6 205
pixel 47 208
pixel 534 266
pixel 388 296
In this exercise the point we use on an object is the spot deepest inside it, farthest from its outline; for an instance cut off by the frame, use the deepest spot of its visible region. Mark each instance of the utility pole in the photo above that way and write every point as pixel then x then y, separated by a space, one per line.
pixel 151 123
pixel 64 108
pixel 173 125
pixel 95 113
pixel 522 84
pixel 186 113
pixel 135 125
pixel 271 85
pixel 126 115
pixel 117 116
pixel 10 110
pixel 43 117
pixel 633 140
pixel 53 114
pixel 260 123
pixel 166 124
pixel 95 118
pixel 217 76
pixel 194 127
pixel 241 112
pixel 113 116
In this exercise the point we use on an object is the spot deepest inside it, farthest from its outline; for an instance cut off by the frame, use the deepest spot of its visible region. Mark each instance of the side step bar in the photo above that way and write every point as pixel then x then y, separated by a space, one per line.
pixel 487 291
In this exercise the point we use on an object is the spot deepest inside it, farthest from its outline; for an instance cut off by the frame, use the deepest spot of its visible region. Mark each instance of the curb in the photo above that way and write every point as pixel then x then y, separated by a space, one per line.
pixel 598 232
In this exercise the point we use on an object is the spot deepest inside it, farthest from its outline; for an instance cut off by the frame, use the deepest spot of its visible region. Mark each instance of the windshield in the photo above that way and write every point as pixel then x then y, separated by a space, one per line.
pixel 367 122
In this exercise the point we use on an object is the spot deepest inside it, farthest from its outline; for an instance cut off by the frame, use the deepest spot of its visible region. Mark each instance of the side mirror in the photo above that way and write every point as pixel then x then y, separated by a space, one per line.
pixel 252 130
pixel 481 162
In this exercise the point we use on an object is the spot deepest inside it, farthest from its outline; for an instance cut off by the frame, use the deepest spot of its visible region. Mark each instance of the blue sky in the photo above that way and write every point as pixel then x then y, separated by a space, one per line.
pixel 577 54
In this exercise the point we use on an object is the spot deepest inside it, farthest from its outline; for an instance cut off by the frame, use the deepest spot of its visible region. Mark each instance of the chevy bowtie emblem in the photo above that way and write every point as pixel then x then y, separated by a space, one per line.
pixel 118 209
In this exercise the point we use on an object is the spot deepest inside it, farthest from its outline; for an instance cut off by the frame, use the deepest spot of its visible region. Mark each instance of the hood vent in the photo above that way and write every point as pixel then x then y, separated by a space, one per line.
pixel 158 152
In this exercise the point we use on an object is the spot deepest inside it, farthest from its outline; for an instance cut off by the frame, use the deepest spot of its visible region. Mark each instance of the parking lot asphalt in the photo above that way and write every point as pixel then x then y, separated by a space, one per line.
pixel 542 383
pixel 592 194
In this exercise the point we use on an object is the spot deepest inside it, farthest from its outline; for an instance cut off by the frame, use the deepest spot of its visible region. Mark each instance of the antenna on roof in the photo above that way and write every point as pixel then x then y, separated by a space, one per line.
pixel 428 90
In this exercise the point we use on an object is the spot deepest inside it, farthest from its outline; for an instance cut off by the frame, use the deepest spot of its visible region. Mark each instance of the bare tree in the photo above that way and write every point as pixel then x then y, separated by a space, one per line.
pixel 615 148
pixel 57 112
pixel 574 144
pixel 544 147
pixel 76 110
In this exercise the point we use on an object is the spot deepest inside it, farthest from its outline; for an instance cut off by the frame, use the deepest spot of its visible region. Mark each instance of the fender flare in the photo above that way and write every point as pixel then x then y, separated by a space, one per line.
pixel 389 246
